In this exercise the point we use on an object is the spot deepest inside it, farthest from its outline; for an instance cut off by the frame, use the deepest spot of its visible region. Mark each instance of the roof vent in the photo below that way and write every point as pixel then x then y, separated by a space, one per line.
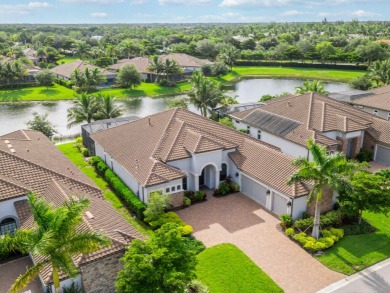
pixel 6 141
pixel 12 151
pixel 75 198
pixel 9 145
pixel 89 215
pixel 27 150
pixel 289 104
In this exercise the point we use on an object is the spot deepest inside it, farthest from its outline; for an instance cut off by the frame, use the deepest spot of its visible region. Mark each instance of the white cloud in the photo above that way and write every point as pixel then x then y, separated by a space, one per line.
pixel 23 9
pixel 235 3
pixel 99 14
pixel 292 13
pixel 138 2
pixel 363 13
pixel 93 1
pixel 354 14
pixel 219 17
pixel 183 2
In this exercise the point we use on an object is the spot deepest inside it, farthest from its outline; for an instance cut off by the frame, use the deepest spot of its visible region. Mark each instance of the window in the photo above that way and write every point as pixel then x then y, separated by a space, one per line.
pixel 258 134
pixel 388 116
pixel 375 112
pixel 185 183
pixel 7 226
pixel 248 127
pixel 178 187
pixel 173 188
pixel 223 173
pixel 238 122
pixel 167 190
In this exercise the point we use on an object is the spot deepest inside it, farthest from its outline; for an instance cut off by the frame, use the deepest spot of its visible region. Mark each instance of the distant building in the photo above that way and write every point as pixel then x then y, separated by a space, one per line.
pixel 377 103
pixel 97 38
pixel 31 54
pixel 140 63
pixel 28 78
pixel 187 62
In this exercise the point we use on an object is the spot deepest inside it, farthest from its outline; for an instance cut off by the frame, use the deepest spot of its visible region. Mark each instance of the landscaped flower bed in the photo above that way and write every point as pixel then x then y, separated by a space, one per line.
pixel 190 197
pixel 226 187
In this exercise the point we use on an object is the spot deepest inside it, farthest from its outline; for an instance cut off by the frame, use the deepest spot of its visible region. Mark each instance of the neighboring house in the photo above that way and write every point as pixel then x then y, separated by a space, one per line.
pixel 377 104
pixel 140 63
pixel 29 162
pixel 100 125
pixel 97 38
pixel 234 108
pixel 28 78
pixel 288 123
pixel 178 150
pixel 187 62
pixel 31 54
pixel 350 95
pixel 64 71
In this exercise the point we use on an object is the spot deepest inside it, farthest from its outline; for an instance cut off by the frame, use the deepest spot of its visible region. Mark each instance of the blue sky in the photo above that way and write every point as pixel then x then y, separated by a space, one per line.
pixel 186 11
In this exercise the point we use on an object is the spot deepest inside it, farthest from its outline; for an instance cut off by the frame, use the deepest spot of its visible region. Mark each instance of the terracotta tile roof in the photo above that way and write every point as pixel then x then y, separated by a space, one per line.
pixel 379 101
pixel 251 156
pixel 316 114
pixel 381 90
pixel 28 170
pixel 185 60
pixel 10 188
pixel 140 63
pixel 174 135
pixel 68 68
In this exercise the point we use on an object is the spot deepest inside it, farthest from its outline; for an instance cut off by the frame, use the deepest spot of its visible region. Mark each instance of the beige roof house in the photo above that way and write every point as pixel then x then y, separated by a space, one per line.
pixel 379 101
pixel 32 55
pixel 140 63
pixel 185 60
pixel 29 162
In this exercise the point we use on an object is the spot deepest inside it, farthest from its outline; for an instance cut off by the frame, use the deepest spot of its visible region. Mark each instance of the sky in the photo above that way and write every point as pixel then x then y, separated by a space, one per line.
pixel 190 11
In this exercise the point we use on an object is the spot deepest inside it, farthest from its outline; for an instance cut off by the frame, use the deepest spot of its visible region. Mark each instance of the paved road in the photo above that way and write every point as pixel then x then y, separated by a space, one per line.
pixel 375 279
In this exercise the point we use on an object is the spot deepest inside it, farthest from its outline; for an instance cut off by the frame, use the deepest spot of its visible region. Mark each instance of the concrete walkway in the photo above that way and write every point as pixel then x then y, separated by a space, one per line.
pixel 375 279
pixel 241 221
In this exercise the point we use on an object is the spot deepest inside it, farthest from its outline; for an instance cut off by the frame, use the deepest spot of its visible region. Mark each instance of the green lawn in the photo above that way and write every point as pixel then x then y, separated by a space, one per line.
pixel 68 59
pixel 292 72
pixel 225 268
pixel 75 156
pixel 356 252
pixel 39 93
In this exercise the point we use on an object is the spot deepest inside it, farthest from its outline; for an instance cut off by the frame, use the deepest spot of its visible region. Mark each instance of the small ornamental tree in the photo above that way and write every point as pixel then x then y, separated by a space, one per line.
pixel 45 78
pixel 157 204
pixel 128 77
pixel 41 123
pixel 161 264
pixel 370 191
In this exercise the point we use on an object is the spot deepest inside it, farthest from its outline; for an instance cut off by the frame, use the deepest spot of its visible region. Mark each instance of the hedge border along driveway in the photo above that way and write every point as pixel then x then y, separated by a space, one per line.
pixel 73 154
pixel 225 268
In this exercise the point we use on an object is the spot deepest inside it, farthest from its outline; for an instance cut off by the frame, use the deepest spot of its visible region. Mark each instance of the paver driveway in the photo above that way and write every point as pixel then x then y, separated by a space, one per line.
pixel 241 221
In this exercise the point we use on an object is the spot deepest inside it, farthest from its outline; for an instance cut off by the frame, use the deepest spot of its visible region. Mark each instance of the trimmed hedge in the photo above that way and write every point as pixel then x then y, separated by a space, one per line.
pixel 299 64
pixel 332 218
pixel 172 217
pixel 129 199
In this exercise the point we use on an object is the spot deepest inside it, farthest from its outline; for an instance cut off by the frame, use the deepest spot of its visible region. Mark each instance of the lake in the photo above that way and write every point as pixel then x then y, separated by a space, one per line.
pixel 15 116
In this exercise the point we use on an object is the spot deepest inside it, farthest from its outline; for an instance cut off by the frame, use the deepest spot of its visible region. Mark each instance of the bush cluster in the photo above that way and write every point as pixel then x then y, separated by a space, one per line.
pixel 79 144
pixel 64 83
pixel 328 239
pixel 194 196
pixel 332 218
pixel 364 156
pixel 129 199
pixel 194 244
pixel 172 217
pixel 226 187
pixel 286 220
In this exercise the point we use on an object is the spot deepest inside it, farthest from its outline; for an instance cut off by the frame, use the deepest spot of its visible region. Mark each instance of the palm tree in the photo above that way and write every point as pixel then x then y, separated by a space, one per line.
pixel 229 56
pixel 81 49
pixel 204 94
pixel 85 108
pixel 108 108
pixel 324 171
pixel 380 72
pixel 311 86
pixel 54 240
pixel 156 66
pixel 228 100
pixel 170 68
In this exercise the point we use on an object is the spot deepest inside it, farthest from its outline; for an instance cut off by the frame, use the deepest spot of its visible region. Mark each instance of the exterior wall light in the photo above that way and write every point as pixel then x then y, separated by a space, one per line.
pixel 289 203
pixel 268 192
pixel 237 174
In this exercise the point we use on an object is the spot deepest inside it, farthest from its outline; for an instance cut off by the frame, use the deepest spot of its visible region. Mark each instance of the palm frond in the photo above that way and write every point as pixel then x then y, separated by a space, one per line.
pixel 23 280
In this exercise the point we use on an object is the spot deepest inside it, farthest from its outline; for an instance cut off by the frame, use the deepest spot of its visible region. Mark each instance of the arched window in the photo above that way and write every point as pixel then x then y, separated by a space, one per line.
pixel 8 226
pixel 223 173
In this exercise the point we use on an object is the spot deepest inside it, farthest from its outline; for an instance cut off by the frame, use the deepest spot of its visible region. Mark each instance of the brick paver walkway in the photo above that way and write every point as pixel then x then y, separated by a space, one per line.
pixel 239 220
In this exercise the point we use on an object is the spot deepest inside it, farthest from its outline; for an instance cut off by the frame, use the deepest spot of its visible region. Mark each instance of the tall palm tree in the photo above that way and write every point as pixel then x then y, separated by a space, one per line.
pixel 228 100
pixel 324 171
pixel 81 49
pixel 156 66
pixel 85 108
pixel 380 72
pixel 204 94
pixel 311 86
pixel 108 108
pixel 170 68
pixel 55 239
pixel 229 56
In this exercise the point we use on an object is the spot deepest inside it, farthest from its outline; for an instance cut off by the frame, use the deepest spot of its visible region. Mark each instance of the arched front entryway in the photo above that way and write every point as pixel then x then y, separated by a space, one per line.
pixel 8 226
pixel 209 177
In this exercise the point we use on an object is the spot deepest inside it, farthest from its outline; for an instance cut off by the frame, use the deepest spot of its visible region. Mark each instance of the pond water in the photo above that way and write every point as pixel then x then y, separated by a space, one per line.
pixel 15 116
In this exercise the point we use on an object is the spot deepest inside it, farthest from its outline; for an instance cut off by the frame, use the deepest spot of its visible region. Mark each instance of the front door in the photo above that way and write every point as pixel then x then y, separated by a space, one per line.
pixel 201 178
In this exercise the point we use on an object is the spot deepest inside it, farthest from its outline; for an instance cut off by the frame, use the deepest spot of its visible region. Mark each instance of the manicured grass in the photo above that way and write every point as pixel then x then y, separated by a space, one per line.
pixel 225 268
pixel 39 93
pixel 357 252
pixel 292 72
pixel 73 154
pixel 68 59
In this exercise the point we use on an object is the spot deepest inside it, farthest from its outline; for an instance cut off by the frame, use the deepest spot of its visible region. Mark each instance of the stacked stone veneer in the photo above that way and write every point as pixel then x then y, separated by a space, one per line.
pixel 177 199
pixel 100 276
pixel 326 202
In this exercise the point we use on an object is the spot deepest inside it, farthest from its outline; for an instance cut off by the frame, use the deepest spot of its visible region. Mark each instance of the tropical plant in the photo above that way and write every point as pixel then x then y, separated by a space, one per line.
pixel 107 107
pixel 128 77
pixel 204 94
pixel 85 108
pixel 87 80
pixel 54 240
pixel 156 66
pixel 81 49
pixel 229 56
pixel 178 103
pixel 228 100
pixel 41 123
pixel 157 204
pixel 45 78
pixel 12 71
pixel 325 171
pixel 316 86
pixel 163 263
pixel 379 71
pixel 362 82
pixel 170 68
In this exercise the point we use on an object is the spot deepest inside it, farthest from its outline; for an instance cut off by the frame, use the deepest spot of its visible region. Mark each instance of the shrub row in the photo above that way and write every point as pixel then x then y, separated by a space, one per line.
pixel 300 64
pixel 18 85
pixel 332 218
pixel 328 239
pixel 129 199
pixel 64 83
pixel 172 217
pixel 193 196
pixel 226 187
pixel 79 144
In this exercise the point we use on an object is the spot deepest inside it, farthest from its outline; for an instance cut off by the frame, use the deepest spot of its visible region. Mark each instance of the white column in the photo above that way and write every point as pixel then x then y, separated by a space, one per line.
pixel 196 182
pixel 217 178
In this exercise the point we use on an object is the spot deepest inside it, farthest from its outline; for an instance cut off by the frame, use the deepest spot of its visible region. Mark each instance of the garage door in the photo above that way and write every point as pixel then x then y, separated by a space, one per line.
pixel 382 155
pixel 279 204
pixel 254 190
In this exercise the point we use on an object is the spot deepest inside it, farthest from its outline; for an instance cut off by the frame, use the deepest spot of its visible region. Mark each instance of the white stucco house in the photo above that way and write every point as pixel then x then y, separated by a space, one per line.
pixel 178 150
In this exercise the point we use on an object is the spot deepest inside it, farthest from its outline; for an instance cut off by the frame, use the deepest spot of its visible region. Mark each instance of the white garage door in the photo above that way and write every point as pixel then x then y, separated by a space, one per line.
pixel 254 190
pixel 382 155
pixel 279 204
